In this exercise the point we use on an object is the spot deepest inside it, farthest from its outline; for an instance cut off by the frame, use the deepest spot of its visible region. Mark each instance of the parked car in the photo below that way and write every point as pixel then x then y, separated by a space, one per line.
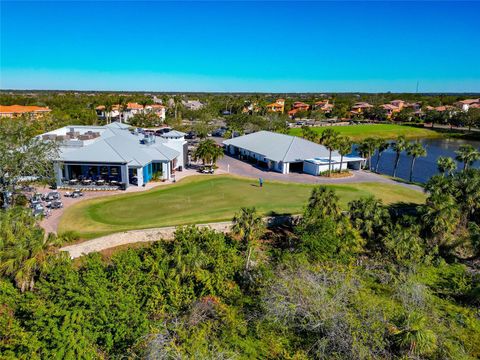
pixel 56 204
pixel 191 135
pixel 219 132
pixel 39 210
pixel 76 194
pixel 53 195
pixel 34 203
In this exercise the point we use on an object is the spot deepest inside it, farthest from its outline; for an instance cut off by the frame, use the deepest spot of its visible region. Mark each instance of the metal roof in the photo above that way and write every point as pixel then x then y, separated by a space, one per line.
pixel 280 147
pixel 174 134
pixel 116 144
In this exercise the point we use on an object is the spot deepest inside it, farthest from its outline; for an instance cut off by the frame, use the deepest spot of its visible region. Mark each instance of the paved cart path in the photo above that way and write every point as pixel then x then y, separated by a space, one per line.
pixel 133 236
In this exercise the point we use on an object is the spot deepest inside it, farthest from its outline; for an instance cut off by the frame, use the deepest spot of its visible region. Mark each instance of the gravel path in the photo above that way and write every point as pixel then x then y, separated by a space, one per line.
pixel 134 236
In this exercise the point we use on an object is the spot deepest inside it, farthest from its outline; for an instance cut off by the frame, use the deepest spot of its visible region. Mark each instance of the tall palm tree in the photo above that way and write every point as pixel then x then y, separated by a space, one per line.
pixel 446 165
pixel 250 227
pixel 399 146
pixel 467 154
pixel 415 150
pixel 344 147
pixel 108 111
pixel 208 151
pixel 381 147
pixel 329 139
pixel 122 106
pixel 368 147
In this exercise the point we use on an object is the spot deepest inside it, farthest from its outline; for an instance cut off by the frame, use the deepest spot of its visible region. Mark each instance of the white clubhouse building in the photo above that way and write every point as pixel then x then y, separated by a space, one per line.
pixel 115 153
pixel 284 153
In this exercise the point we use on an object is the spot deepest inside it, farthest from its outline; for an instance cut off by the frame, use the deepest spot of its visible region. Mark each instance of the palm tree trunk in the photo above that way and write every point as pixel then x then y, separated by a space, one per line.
pixel 411 168
pixel 397 158
pixel 341 163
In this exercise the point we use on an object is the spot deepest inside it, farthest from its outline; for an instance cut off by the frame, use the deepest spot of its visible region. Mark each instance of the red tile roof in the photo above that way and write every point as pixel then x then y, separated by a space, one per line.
pixel 21 109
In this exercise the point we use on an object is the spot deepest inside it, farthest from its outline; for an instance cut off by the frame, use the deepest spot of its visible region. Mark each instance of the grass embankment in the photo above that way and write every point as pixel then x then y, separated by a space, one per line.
pixel 383 131
pixel 208 199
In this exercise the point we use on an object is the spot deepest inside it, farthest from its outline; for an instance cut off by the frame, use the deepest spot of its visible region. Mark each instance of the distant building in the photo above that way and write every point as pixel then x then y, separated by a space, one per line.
pixel 157 109
pixel 323 105
pixel 192 104
pixel 131 109
pixel 442 108
pixel 13 111
pixel 277 106
pixel 466 104
pixel 298 106
pixel 360 107
pixel 391 109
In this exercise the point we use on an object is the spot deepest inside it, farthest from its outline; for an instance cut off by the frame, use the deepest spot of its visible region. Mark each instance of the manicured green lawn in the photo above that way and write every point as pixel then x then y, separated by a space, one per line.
pixel 202 199
pixel 384 131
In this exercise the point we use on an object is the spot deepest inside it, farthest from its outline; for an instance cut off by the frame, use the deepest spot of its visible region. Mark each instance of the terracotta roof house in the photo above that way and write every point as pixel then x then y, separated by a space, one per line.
pixel 12 111
pixel 391 109
pixel 398 103
pixel 359 107
pixel 440 108
pixel 277 106
pixel 300 106
pixel 467 103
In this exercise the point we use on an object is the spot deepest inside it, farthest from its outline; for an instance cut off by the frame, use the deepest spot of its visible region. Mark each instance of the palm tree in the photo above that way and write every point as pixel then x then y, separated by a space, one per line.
pixel 24 248
pixel 344 147
pixel 414 336
pixel 144 103
pixel 369 216
pixel 309 134
pixel 440 217
pixel 329 139
pixel 467 154
pixel 208 151
pixel 122 106
pixel 367 147
pixel 415 150
pixel 108 111
pixel 250 227
pixel 446 165
pixel 381 147
pixel 398 146
pixel 323 202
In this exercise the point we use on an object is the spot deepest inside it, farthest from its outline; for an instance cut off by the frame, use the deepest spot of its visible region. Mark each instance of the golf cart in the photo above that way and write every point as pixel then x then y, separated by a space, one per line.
pixel 207 169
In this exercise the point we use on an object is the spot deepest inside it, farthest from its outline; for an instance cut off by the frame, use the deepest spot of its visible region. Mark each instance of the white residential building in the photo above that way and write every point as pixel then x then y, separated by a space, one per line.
pixel 115 153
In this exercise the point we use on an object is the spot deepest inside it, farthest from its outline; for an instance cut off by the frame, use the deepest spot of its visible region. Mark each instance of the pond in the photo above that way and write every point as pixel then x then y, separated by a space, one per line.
pixel 425 167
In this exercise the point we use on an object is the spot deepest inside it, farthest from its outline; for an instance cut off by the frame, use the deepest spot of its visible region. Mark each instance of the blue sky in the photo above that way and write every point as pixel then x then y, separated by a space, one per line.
pixel 241 46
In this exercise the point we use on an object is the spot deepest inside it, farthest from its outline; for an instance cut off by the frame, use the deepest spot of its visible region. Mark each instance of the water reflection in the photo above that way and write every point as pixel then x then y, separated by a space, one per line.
pixel 425 167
